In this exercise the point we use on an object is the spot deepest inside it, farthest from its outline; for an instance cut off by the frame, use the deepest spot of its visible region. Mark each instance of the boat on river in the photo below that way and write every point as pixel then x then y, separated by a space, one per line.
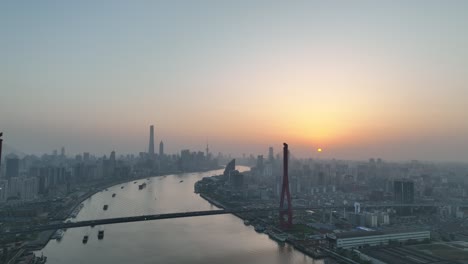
pixel 58 234
pixel 278 237
pixel 259 228
pixel 101 234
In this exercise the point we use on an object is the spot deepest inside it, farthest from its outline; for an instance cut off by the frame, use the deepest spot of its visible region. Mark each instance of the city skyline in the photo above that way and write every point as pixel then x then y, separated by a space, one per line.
pixel 210 131
pixel 356 80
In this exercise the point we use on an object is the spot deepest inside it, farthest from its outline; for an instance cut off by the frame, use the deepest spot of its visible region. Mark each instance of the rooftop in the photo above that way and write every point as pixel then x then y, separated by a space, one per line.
pixel 375 233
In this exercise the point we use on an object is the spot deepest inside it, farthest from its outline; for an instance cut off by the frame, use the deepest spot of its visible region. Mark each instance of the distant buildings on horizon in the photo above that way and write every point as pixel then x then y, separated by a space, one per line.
pixel 30 177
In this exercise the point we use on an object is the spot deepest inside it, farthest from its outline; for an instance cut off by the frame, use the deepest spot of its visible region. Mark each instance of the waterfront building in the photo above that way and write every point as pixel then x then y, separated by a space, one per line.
pixel 231 166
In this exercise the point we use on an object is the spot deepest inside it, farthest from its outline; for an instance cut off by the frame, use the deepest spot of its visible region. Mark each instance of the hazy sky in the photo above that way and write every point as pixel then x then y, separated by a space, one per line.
pixel 358 78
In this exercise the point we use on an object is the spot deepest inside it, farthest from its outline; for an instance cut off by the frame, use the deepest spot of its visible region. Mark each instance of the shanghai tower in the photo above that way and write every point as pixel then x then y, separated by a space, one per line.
pixel 151 141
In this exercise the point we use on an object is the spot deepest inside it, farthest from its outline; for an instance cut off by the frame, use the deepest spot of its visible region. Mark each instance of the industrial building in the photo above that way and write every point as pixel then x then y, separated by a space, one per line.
pixel 369 219
pixel 361 239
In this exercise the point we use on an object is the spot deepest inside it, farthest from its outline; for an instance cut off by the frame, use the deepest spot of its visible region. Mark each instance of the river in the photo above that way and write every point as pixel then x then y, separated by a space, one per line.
pixel 206 239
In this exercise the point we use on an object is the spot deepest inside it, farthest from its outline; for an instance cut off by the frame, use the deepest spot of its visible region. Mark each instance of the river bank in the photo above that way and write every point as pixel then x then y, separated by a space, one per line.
pixel 212 201
pixel 311 252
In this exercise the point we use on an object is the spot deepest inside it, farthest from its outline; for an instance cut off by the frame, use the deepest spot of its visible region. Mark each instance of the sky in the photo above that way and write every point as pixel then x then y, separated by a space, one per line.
pixel 358 79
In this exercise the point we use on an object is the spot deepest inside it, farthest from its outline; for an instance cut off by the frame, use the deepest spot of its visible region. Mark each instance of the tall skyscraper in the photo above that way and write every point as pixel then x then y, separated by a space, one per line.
pixel 161 148
pixel 270 154
pixel 151 141
pixel 403 191
pixel 12 166
pixel 62 152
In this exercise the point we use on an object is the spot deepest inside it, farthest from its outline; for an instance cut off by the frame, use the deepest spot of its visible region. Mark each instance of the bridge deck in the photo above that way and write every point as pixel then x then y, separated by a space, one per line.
pixel 172 215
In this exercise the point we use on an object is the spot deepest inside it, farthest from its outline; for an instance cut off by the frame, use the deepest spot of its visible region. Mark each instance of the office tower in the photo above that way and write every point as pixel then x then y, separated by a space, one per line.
pixel 231 166
pixel 12 166
pixel 151 141
pixel 161 148
pixel 62 152
pixel 403 191
pixel 270 154
pixel 112 157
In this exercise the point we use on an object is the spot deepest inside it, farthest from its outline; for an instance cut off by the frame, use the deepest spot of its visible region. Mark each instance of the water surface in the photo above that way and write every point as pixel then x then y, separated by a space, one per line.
pixel 206 239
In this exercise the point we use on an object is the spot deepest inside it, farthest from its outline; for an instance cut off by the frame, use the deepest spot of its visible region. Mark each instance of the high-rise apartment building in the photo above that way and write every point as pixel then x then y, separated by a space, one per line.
pixel 403 191
pixel 12 166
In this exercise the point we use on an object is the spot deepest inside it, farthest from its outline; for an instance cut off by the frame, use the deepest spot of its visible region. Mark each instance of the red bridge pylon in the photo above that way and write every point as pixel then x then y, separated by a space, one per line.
pixel 285 211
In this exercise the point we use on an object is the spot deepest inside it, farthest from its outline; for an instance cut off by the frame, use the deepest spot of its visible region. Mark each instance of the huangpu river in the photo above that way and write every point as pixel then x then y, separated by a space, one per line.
pixel 206 239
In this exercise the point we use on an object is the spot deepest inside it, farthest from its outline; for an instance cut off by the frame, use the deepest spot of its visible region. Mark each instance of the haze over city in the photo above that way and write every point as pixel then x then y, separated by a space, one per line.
pixel 214 131
pixel 359 80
